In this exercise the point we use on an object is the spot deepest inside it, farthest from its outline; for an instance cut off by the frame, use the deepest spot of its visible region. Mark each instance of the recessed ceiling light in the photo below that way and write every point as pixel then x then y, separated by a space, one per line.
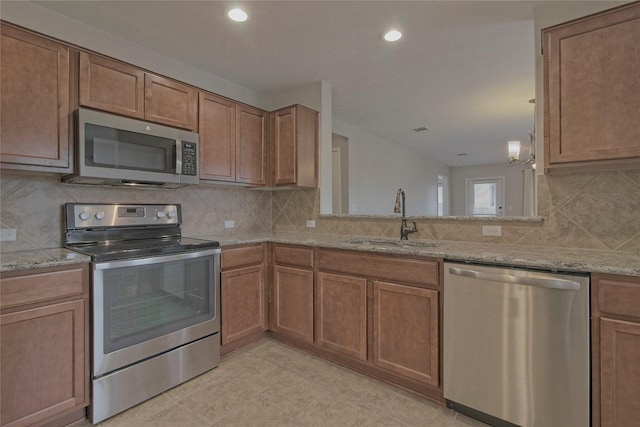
pixel 238 15
pixel 393 35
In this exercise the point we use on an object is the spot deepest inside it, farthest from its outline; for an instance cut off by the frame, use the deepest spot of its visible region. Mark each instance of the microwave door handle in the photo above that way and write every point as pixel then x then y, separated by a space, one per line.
pixel 178 157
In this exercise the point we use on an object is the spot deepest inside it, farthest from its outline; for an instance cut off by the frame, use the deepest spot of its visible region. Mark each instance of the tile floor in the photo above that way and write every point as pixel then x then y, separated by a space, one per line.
pixel 272 384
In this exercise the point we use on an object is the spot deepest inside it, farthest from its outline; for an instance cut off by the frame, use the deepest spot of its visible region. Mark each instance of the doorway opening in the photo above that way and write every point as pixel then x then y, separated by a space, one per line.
pixel 339 174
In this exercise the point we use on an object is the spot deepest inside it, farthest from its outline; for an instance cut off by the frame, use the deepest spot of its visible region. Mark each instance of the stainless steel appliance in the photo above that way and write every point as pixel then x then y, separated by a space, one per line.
pixel 516 346
pixel 114 150
pixel 155 301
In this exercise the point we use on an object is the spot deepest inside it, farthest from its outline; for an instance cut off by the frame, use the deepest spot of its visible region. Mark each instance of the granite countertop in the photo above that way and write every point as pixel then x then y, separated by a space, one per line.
pixel 539 257
pixel 28 260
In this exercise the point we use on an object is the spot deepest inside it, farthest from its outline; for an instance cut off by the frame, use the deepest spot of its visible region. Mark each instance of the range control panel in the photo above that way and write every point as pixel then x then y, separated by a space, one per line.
pixel 117 215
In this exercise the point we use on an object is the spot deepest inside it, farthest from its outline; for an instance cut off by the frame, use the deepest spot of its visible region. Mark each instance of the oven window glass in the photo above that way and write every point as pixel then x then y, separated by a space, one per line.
pixel 148 301
pixel 121 149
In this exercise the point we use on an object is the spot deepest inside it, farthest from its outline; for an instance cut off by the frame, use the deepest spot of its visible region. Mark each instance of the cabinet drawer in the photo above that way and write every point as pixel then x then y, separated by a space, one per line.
pixel 242 255
pixel 293 255
pixel 44 286
pixel 398 269
pixel 618 295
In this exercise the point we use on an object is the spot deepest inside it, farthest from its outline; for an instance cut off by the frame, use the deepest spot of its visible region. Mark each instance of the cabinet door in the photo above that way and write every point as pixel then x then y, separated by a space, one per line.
pixel 43 362
pixel 285 165
pixel 306 147
pixel 217 125
pixel 170 102
pixel 293 305
pixel 35 101
pixel 251 147
pixel 342 314
pixel 111 86
pixel 592 80
pixel 619 373
pixel 405 331
pixel 243 303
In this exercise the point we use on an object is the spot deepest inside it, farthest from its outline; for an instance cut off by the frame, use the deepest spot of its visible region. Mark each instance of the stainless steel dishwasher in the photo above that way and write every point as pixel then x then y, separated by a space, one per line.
pixel 516 346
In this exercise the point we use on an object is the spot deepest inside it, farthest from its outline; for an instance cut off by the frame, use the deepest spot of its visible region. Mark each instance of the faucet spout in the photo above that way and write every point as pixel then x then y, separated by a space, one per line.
pixel 400 207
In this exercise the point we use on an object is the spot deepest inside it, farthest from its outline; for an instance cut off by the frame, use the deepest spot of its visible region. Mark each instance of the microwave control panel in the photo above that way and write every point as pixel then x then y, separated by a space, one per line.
pixel 189 159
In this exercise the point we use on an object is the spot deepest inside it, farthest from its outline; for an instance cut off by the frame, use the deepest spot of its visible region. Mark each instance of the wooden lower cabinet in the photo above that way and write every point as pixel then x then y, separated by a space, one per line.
pixel 243 302
pixel 242 295
pixel 382 312
pixel 293 302
pixel 342 314
pixel 44 345
pixel 616 350
pixel 405 331
pixel 292 293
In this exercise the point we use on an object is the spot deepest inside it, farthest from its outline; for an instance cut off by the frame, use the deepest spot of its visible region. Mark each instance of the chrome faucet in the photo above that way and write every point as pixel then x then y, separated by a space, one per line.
pixel 400 207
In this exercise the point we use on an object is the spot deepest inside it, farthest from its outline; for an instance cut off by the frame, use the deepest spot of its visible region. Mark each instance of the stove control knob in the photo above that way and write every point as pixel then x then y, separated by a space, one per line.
pixel 100 215
pixel 171 214
pixel 84 215
pixel 160 214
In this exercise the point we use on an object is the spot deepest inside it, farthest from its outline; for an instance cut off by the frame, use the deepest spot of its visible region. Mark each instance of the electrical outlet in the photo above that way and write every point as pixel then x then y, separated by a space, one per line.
pixel 229 224
pixel 492 230
pixel 311 223
pixel 8 235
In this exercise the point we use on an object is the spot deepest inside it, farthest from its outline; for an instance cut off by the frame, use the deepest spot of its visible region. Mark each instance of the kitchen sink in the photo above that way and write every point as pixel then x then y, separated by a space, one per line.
pixel 393 243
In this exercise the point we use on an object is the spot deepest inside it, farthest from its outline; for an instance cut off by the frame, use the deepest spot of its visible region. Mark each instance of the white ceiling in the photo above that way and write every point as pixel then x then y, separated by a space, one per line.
pixel 463 69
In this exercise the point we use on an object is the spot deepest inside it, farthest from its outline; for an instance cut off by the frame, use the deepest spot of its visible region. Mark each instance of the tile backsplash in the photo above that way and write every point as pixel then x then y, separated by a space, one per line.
pixel 33 204
pixel 599 210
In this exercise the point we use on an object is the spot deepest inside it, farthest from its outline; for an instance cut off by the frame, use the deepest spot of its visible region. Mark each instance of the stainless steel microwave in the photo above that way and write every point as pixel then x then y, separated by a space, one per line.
pixel 115 150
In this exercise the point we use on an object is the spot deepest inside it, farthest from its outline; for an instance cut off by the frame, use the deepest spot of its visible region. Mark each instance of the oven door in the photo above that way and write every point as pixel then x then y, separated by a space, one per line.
pixel 144 307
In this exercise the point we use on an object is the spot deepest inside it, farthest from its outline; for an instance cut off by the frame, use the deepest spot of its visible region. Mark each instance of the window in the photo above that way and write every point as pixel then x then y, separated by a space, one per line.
pixel 485 196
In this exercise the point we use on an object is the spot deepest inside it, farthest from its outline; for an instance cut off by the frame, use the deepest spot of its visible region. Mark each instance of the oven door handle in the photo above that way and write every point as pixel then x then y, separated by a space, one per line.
pixel 154 259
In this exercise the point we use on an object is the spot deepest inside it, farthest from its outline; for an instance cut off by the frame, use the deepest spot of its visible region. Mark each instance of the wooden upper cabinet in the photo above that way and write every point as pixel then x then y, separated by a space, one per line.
pixel 170 102
pixel 217 125
pixel 232 141
pixel 251 147
pixel 119 88
pixel 295 146
pixel 111 86
pixel 35 81
pixel 592 82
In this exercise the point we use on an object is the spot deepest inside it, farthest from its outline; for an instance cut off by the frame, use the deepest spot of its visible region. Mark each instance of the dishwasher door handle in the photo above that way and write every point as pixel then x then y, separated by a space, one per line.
pixel 550 283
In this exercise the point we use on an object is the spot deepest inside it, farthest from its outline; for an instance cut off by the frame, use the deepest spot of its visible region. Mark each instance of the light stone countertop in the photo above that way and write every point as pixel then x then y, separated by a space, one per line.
pixel 28 260
pixel 537 257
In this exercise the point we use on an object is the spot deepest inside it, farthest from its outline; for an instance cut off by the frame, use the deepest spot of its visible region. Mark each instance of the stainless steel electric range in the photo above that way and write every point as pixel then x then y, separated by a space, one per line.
pixel 155 301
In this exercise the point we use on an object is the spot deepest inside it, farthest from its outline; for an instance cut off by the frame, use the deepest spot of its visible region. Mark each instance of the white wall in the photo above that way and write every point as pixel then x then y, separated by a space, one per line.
pixel 377 168
pixel 513 186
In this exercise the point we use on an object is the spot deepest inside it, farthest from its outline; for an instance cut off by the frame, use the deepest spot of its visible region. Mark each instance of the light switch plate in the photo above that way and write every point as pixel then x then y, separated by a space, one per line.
pixel 311 223
pixel 229 224
pixel 8 235
pixel 492 230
